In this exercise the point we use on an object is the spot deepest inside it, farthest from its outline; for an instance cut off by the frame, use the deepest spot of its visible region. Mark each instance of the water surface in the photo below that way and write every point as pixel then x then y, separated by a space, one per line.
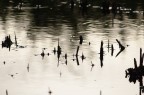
pixel 37 29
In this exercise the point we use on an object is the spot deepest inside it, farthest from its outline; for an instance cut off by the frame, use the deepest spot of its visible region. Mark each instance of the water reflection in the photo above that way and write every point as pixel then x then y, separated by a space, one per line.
pixel 58 36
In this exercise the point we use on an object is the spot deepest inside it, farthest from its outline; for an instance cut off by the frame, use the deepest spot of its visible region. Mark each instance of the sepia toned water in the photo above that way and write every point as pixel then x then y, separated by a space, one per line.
pixel 23 71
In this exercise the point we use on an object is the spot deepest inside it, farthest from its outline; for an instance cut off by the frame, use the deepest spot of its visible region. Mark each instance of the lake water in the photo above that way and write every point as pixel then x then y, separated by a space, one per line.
pixel 38 29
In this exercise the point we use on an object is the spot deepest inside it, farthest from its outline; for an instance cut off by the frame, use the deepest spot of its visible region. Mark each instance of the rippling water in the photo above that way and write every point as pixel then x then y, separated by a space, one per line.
pixel 38 29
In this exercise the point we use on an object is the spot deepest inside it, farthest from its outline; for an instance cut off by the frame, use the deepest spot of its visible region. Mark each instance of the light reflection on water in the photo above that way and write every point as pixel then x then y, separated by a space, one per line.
pixel 37 29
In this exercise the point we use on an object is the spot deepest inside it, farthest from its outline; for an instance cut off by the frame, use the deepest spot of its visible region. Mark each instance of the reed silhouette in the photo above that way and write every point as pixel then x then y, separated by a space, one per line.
pixel 101 54
pixel 77 60
pixel 77 51
pixel 137 73
pixel 48 54
pixel 83 57
pixel 54 51
pixel 122 48
pixel 58 48
pixel 66 56
pixel 100 92
pixel 108 46
pixel 81 39
pixel 15 40
pixel 6 92
pixel 7 42
pixel 112 50
pixel 66 61
pixel 58 52
pixel 42 54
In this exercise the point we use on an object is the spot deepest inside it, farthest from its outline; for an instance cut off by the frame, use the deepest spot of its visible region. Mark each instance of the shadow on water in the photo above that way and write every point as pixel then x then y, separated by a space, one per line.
pixel 137 73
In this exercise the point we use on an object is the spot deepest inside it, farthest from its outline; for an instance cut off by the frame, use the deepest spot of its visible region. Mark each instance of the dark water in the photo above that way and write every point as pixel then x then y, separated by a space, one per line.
pixel 30 69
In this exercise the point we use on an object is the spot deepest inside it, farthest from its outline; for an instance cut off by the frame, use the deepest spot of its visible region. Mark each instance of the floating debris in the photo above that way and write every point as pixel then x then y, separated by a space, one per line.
pixel 22 46
pixel 28 67
pixel 50 92
pixel 89 43
pixel 92 65
pixel 12 75
pixel 44 48
pixel 4 62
